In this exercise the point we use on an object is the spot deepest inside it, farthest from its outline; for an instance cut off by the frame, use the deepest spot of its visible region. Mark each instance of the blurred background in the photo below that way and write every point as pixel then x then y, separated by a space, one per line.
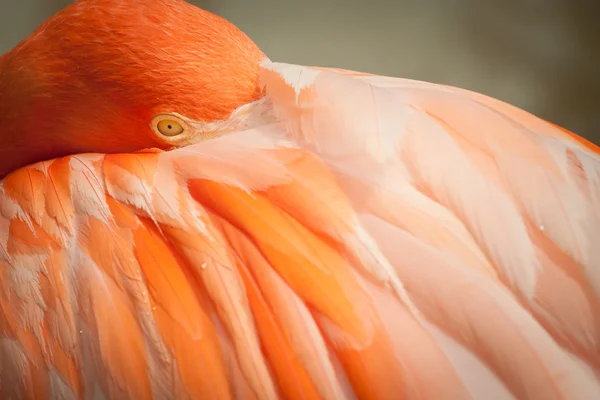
pixel 540 55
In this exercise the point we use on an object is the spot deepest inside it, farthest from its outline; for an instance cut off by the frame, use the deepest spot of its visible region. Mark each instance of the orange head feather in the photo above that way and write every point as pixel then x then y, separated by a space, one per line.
pixel 93 77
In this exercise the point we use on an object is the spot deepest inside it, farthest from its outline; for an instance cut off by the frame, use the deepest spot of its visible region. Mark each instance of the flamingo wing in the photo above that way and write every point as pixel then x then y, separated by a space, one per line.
pixel 377 237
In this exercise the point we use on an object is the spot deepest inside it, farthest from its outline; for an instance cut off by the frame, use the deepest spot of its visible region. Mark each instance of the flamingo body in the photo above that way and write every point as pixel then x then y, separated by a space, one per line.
pixel 342 235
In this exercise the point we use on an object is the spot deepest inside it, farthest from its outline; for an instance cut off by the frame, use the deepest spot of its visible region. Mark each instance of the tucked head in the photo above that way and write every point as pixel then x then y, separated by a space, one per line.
pixel 119 76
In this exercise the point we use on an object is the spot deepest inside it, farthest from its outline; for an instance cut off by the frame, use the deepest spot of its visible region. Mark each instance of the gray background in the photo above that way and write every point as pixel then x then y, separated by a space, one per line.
pixel 540 55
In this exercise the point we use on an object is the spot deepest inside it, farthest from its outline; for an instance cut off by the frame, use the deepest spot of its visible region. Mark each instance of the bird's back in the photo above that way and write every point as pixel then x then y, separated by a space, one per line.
pixel 376 238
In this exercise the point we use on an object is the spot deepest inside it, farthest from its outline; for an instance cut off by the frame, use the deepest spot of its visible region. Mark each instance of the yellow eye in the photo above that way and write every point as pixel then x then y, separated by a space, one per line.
pixel 169 127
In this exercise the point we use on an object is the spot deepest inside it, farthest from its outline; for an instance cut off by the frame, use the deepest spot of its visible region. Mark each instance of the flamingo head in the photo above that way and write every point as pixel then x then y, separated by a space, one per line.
pixel 116 76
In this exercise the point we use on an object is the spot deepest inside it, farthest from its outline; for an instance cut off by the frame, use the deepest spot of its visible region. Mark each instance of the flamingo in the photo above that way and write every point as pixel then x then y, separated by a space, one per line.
pixel 183 218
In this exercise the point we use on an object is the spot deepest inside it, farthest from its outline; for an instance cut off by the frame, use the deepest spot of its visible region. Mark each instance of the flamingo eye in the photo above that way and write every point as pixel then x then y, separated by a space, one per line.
pixel 172 129
pixel 169 127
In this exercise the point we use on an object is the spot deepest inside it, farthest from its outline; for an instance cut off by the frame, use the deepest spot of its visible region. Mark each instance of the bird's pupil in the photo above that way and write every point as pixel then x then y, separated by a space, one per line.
pixel 169 126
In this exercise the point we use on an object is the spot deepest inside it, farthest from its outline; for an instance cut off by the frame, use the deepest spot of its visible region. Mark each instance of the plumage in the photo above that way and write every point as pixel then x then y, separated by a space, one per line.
pixel 342 235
